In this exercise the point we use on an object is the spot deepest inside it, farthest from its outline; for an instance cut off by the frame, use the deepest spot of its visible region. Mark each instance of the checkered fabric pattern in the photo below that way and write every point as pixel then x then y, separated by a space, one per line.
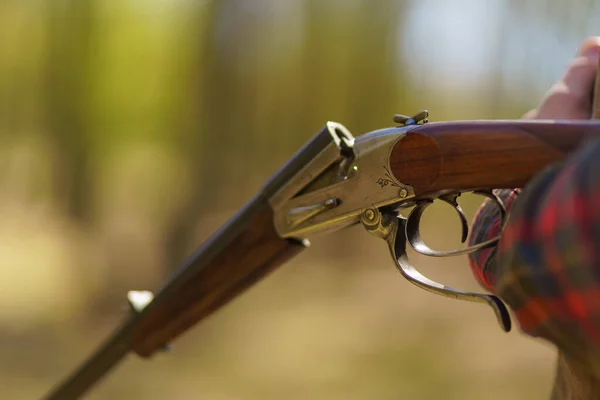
pixel 547 264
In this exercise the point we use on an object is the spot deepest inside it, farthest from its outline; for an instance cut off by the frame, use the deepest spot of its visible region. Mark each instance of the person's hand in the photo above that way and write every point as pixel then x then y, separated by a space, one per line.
pixel 540 267
pixel 571 96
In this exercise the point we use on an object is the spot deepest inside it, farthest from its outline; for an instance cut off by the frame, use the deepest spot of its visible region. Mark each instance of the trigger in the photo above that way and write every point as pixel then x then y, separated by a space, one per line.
pixel 451 199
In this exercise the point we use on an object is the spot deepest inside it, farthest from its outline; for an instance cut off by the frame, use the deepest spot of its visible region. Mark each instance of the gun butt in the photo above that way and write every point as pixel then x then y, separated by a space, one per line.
pixel 462 156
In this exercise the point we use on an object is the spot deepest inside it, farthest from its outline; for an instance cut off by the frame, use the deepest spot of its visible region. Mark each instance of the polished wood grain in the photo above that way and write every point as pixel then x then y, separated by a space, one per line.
pixel 248 255
pixel 437 157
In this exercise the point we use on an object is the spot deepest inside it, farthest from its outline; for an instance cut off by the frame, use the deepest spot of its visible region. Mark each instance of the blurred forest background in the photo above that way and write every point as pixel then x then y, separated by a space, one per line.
pixel 130 130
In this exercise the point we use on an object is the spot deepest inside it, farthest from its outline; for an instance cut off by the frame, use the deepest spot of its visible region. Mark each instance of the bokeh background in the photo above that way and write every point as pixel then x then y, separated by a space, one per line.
pixel 130 130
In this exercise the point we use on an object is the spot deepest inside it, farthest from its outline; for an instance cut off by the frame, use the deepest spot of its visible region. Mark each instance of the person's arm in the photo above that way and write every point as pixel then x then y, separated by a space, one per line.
pixel 569 98
pixel 546 266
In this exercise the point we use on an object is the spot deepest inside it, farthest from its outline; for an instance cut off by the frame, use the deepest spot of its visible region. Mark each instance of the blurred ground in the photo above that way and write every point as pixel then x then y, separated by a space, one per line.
pixel 129 131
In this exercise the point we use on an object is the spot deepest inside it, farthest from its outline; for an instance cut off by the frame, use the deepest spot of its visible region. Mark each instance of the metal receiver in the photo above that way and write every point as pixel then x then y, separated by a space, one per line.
pixel 350 182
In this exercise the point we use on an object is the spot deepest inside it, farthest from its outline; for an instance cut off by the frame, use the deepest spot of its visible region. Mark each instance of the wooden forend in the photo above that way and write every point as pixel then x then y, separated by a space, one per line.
pixel 230 262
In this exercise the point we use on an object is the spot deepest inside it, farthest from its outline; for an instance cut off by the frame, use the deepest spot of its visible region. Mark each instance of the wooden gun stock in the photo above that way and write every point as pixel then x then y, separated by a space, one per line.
pixel 437 157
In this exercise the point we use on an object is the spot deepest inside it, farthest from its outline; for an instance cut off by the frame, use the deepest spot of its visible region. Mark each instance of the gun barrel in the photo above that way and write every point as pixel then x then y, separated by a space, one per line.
pixel 96 367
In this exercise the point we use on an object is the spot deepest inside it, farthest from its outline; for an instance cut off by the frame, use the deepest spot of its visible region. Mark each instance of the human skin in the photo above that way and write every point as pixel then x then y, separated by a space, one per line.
pixel 571 98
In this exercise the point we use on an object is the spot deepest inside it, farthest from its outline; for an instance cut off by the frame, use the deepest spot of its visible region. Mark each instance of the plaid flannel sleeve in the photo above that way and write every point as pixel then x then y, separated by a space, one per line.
pixel 546 266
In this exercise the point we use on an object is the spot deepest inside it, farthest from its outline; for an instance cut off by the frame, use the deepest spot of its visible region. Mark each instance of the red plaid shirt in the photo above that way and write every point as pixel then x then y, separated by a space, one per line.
pixel 546 267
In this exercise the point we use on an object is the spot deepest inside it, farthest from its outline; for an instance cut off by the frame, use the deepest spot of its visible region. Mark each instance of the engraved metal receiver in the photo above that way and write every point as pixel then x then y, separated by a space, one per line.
pixel 350 182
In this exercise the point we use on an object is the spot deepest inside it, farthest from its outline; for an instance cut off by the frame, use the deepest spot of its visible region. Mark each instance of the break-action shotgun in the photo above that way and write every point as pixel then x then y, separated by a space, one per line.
pixel 333 182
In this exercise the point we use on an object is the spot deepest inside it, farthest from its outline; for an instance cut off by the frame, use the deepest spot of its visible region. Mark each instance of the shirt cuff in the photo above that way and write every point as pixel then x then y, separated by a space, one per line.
pixel 486 225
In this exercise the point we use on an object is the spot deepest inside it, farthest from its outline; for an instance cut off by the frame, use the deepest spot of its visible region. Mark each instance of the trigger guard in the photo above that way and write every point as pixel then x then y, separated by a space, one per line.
pixel 451 199
pixel 397 246
pixel 413 234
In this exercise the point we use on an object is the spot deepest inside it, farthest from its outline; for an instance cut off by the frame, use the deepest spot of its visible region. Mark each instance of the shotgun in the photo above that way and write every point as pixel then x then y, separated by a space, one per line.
pixel 333 182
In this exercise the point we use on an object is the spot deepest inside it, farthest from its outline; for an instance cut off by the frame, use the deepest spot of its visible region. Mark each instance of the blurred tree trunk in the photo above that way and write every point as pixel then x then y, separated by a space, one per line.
pixel 203 138
pixel 373 67
pixel 70 34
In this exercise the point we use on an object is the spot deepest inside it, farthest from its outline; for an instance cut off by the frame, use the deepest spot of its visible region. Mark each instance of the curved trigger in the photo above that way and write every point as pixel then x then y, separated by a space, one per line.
pixel 413 233
pixel 413 221
pixel 451 199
